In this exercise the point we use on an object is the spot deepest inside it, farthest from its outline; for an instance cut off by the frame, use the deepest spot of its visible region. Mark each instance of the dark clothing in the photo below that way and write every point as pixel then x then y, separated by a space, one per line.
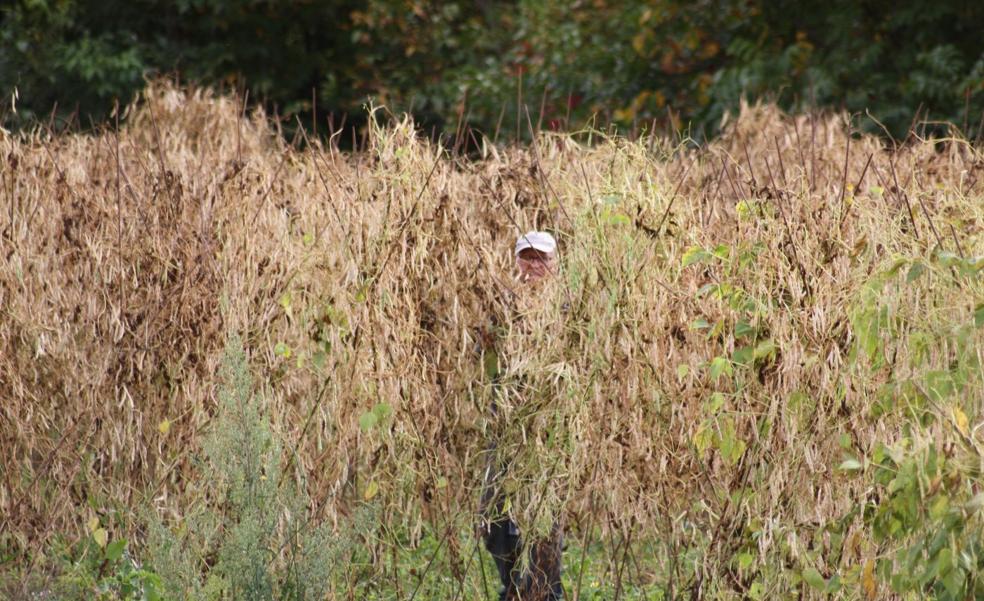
pixel 502 537
pixel 542 581
pixel 502 540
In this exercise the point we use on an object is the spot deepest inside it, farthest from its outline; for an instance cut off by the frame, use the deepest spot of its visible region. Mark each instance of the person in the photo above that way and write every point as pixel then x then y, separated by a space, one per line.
pixel 536 261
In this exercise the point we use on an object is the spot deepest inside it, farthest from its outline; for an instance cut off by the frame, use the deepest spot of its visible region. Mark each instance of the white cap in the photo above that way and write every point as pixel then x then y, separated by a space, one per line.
pixel 541 241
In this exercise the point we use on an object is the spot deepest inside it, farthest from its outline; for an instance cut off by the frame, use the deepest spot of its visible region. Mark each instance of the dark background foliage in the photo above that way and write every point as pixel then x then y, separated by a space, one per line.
pixel 635 63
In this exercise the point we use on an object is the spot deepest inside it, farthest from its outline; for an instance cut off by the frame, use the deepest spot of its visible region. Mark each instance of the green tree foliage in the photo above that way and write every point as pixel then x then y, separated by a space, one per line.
pixel 257 533
pixel 628 61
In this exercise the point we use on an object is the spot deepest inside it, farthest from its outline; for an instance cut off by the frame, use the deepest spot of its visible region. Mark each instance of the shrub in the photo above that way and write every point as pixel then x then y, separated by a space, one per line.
pixel 255 535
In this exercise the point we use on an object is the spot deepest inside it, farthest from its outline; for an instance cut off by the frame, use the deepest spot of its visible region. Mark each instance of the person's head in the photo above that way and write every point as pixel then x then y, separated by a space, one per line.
pixel 536 256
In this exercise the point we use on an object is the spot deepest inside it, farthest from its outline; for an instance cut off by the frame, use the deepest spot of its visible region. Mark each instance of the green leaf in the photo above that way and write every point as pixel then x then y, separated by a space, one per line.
pixel 742 355
pixel 764 349
pixel 743 208
pixel 682 371
pixel 707 289
pixel 731 445
pixel 979 315
pixel 722 252
pixel 756 591
pixel 618 219
pixel 973 264
pixel 745 560
pixel 368 420
pixel 719 366
pixel 382 411
pixel 114 550
pixel 282 350
pixel 939 384
pixel 716 402
pixel 700 324
pixel 717 330
pixel 915 271
pixel 939 507
pixel 814 579
pixel 896 266
pixel 947 258
pixel 702 439
pixel 695 255
pixel 743 328
pixel 850 465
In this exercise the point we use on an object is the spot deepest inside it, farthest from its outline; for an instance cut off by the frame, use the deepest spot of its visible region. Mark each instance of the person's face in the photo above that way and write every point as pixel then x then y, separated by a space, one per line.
pixel 534 265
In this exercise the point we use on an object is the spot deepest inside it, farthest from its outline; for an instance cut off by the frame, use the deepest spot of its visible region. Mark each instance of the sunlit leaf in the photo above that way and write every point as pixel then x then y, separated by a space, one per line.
pixel 100 536
pixel 868 582
pixel 764 349
pixel 371 491
pixel 700 324
pixel 716 402
pixel 702 439
pixel 960 419
pixel 850 465
pixel 695 255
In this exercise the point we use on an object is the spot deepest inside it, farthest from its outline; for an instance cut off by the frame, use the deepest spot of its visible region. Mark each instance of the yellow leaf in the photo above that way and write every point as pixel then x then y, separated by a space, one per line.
pixel 93 524
pixel 101 537
pixel 164 427
pixel 868 579
pixel 371 491
pixel 624 114
pixel 963 424
pixel 703 439
pixel 660 99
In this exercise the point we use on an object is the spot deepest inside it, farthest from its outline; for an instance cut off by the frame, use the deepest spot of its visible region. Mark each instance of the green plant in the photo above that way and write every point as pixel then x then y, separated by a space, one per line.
pixel 99 568
pixel 256 536
pixel 925 509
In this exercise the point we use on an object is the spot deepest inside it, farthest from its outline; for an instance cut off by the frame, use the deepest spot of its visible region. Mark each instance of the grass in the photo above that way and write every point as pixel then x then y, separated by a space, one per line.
pixel 757 374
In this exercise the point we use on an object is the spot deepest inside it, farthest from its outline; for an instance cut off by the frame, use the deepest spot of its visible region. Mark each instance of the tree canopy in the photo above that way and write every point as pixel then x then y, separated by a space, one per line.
pixel 487 62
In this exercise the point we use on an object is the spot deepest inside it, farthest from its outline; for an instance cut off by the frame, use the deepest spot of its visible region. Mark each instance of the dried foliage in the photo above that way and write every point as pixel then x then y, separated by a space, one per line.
pixel 689 375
